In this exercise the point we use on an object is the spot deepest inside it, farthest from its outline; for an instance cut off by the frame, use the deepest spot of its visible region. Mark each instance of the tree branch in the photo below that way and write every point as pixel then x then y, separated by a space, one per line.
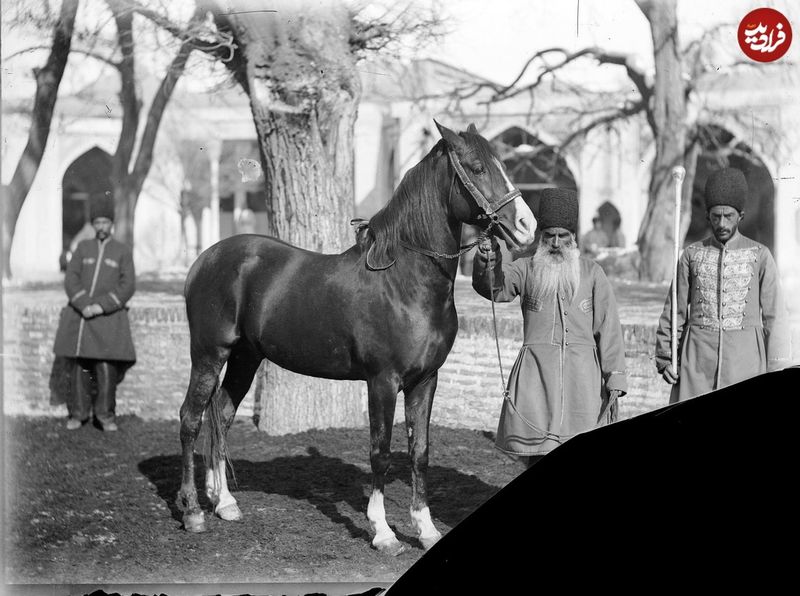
pixel 144 158
pixel 222 48
pixel 48 80
pixel 73 50
pixel 621 114
pixel 129 99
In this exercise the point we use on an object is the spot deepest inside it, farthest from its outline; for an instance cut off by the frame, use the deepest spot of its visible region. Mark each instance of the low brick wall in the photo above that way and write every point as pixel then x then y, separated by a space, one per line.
pixel 470 389
pixel 469 393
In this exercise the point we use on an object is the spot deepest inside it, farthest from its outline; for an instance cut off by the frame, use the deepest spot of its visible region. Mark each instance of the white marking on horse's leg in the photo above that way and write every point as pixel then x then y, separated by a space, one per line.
pixel 385 539
pixel 376 514
pixel 426 531
pixel 217 491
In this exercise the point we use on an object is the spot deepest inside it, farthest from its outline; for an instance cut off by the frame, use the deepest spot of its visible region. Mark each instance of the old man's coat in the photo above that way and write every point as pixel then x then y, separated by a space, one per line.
pixel 572 355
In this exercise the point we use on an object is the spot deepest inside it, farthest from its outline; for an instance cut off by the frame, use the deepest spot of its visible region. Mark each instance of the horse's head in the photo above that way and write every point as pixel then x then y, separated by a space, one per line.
pixel 483 195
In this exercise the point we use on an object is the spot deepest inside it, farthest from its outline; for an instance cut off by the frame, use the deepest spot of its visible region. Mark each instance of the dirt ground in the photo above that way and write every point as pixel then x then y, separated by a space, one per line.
pixel 87 507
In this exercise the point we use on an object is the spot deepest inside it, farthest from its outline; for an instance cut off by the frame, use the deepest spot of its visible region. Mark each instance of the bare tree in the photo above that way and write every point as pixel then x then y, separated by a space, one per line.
pixel 131 163
pixel 661 101
pixel 48 80
pixel 669 115
pixel 296 60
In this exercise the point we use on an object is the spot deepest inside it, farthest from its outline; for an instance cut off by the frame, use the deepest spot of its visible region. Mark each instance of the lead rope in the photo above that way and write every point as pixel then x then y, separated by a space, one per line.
pixel 546 434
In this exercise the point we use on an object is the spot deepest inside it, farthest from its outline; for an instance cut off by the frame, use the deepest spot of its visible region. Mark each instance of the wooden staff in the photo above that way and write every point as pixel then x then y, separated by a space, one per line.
pixel 678 173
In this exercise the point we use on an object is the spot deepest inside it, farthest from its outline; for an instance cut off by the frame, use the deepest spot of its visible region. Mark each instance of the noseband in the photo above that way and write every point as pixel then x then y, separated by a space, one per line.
pixel 490 209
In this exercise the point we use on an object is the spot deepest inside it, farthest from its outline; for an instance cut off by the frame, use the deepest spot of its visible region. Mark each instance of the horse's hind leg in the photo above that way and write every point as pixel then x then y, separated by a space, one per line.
pixel 418 403
pixel 202 384
pixel 382 394
pixel 242 366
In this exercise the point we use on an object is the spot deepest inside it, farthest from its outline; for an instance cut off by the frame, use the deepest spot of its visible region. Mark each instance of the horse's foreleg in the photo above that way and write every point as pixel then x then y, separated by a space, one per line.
pixel 382 399
pixel 202 384
pixel 242 366
pixel 418 403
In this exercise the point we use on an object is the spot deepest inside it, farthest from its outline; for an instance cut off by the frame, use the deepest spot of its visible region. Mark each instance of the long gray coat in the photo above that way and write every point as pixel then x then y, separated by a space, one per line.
pixel 572 355
pixel 732 320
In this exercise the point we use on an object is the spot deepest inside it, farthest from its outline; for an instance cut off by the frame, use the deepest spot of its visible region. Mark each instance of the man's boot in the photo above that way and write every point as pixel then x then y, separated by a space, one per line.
pixel 106 402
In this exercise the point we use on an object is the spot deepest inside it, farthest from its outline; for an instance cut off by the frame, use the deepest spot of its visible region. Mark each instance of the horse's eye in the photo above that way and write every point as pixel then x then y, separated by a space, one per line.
pixel 478 169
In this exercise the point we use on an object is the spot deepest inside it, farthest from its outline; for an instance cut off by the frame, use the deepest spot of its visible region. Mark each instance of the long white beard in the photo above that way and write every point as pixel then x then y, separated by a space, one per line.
pixel 555 272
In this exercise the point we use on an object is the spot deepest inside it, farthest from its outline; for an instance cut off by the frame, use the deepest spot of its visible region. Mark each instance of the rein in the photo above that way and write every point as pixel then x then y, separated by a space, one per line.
pixel 503 387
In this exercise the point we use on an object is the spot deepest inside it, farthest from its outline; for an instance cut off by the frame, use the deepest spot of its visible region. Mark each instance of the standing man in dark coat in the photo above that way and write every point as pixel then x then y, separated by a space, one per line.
pixel 571 366
pixel 94 328
pixel 732 321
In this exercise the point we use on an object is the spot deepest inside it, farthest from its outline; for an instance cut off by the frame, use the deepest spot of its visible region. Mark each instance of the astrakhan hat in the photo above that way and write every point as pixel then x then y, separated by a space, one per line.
pixel 101 206
pixel 727 186
pixel 558 208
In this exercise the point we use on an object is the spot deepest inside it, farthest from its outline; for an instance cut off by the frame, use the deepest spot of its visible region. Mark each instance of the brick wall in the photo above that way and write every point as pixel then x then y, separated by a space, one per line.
pixel 470 389
pixel 469 393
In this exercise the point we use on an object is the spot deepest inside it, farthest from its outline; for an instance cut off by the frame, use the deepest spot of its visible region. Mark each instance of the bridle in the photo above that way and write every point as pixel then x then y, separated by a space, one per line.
pixel 490 208
pixel 490 213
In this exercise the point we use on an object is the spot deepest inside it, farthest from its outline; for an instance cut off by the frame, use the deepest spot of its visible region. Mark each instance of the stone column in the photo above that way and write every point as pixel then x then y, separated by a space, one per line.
pixel 214 148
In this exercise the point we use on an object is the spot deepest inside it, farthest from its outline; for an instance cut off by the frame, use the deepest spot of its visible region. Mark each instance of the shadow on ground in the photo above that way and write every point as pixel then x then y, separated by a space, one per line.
pixel 326 483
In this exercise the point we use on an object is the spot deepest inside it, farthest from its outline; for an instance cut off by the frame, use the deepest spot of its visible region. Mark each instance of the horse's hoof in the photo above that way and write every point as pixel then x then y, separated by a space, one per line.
pixel 429 541
pixel 230 512
pixel 390 546
pixel 194 522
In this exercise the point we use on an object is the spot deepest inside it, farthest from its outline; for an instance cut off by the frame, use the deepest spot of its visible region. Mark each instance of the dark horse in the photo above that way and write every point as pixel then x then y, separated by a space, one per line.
pixel 382 311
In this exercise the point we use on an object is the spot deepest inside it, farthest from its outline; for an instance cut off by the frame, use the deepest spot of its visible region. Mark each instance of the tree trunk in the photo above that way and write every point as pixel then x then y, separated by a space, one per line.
pixel 131 106
pixel 129 173
pixel 656 233
pixel 300 74
pixel 48 80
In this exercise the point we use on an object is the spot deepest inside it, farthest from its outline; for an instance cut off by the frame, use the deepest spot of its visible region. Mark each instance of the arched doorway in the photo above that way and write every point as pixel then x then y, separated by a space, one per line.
pixel 612 221
pixel 86 177
pixel 532 165
pixel 720 149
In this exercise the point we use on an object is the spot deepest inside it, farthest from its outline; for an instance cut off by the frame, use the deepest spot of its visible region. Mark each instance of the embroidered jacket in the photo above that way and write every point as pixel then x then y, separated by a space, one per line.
pixel 731 317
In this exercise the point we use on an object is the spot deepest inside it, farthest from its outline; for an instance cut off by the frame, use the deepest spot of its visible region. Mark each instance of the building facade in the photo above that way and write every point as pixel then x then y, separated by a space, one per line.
pixel 197 191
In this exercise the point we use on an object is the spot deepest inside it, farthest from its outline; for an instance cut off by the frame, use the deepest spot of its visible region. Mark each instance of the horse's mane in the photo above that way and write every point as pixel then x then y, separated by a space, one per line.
pixel 414 212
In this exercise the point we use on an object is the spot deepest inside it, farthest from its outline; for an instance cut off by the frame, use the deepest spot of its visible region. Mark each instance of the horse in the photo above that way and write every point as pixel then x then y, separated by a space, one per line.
pixel 382 311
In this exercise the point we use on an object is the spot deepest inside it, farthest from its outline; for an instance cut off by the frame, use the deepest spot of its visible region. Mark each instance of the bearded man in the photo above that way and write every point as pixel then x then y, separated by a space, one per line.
pixel 571 367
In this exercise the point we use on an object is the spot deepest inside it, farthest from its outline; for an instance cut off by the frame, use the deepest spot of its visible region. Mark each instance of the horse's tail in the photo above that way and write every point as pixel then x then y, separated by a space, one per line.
pixel 216 446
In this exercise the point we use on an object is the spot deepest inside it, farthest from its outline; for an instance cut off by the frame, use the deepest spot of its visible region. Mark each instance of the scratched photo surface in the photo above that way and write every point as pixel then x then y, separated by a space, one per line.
pixel 229 121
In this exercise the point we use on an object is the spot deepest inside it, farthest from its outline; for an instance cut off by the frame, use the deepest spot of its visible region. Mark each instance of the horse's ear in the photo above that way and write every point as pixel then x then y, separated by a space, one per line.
pixel 471 128
pixel 456 142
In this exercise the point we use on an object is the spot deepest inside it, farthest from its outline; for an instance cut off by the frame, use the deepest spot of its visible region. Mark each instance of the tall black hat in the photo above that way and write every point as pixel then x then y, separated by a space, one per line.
pixel 726 187
pixel 558 208
pixel 101 206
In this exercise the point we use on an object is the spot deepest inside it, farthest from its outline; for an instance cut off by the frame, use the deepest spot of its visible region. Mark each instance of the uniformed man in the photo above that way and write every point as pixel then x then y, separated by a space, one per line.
pixel 731 320
pixel 94 330
pixel 571 366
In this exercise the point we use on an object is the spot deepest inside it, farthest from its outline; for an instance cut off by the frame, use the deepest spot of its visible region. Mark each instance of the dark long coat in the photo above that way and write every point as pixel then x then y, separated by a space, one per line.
pixel 98 273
